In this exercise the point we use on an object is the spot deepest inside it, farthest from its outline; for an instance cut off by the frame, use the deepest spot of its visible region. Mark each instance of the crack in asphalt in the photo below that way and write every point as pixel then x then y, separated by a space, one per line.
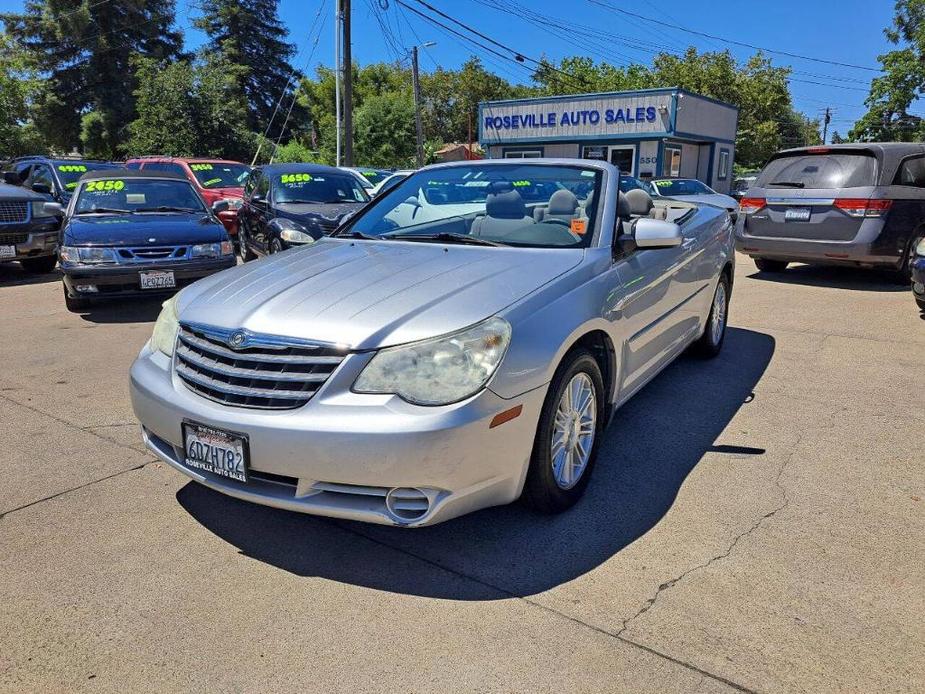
pixel 785 502
pixel 564 615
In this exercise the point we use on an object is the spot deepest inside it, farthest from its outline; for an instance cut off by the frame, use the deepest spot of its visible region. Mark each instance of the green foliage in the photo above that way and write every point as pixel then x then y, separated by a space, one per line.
pixel 248 33
pixel 83 51
pixel 18 135
pixel 189 108
pixel 385 132
pixel 293 151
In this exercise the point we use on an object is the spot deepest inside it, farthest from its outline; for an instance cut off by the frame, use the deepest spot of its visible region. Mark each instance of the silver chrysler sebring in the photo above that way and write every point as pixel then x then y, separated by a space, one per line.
pixel 460 342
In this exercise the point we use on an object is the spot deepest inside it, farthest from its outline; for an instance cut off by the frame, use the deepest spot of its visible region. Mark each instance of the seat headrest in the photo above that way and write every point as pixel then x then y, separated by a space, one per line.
pixel 640 202
pixel 507 205
pixel 562 202
pixel 623 207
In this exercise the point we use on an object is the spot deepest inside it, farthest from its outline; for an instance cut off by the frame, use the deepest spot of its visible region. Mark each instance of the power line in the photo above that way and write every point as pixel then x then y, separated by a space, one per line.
pixel 753 47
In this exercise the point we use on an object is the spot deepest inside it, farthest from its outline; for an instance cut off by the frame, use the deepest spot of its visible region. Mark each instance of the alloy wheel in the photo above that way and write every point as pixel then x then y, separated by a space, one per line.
pixel 573 431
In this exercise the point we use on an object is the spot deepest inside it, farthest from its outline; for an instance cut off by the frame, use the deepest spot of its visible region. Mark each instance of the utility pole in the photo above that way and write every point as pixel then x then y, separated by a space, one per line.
pixel 825 124
pixel 416 85
pixel 348 88
pixel 337 18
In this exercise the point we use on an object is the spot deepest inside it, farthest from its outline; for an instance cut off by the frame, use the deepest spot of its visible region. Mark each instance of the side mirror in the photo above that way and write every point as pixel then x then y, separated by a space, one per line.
pixel 656 233
pixel 54 209
pixel 42 188
pixel 12 178
pixel 220 206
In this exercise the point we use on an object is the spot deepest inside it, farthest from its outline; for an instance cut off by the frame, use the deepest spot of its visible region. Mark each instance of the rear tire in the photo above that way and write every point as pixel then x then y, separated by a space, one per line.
pixel 710 343
pixel 572 424
pixel 74 304
pixel 39 265
pixel 768 265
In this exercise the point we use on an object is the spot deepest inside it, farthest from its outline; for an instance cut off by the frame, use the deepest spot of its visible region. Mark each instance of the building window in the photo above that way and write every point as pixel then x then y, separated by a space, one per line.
pixel 523 153
pixel 594 152
pixel 671 164
pixel 723 164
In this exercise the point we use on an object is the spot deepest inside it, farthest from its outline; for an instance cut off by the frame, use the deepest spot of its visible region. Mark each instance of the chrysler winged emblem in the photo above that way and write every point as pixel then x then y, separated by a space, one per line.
pixel 237 339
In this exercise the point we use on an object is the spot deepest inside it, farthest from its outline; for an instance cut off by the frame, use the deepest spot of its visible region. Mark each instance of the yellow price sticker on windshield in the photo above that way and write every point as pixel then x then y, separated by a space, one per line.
pixel 295 178
pixel 201 167
pixel 103 186
pixel 75 168
pixel 521 184
pixel 663 184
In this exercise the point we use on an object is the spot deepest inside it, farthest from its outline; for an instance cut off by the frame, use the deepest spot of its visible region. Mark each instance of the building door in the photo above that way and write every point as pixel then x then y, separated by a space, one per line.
pixel 624 158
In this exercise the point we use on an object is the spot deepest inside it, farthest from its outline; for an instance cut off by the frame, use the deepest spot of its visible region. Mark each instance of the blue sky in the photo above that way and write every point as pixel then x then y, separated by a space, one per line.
pixel 849 31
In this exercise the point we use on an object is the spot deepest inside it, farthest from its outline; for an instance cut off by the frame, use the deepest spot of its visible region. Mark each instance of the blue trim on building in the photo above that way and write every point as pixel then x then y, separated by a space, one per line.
pixel 703 138
pixel 709 180
pixel 602 139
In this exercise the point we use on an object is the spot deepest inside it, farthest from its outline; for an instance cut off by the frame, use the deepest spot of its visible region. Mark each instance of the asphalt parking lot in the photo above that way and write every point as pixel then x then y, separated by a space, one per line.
pixel 755 522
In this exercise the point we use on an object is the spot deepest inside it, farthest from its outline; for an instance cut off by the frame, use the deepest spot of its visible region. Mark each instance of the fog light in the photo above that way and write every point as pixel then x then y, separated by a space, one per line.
pixel 87 288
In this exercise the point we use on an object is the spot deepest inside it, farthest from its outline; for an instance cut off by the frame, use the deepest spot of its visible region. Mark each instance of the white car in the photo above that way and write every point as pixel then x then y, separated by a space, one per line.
pixel 391 180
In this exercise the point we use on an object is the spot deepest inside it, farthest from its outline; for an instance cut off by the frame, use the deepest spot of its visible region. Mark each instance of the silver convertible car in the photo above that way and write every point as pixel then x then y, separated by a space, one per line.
pixel 405 371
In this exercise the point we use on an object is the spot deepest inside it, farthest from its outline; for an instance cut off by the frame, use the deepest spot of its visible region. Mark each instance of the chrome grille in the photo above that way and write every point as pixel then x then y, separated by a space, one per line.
pixel 153 253
pixel 266 373
pixel 13 211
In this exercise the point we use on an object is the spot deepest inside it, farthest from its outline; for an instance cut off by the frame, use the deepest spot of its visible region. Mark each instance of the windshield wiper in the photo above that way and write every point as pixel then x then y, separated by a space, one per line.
pixel 301 202
pixel 361 235
pixel 166 208
pixel 104 210
pixel 789 184
pixel 446 237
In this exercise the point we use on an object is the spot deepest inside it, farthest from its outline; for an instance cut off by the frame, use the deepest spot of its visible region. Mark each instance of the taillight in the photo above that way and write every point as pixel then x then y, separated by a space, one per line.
pixel 863 207
pixel 818 150
pixel 749 205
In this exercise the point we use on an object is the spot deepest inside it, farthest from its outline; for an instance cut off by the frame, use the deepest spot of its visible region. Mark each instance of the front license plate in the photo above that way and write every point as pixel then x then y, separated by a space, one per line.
pixel 157 279
pixel 7 251
pixel 796 214
pixel 214 450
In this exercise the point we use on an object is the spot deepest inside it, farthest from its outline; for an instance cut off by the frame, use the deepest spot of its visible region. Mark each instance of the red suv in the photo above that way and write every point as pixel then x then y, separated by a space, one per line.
pixel 215 179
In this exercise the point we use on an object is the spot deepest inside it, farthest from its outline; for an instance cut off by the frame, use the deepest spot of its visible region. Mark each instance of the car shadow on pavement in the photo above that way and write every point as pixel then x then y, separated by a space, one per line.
pixel 144 310
pixel 833 277
pixel 651 447
pixel 12 274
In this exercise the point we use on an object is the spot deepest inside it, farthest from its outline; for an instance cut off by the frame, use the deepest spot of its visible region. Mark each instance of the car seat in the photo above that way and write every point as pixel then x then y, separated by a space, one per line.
pixel 563 204
pixel 504 211
pixel 641 205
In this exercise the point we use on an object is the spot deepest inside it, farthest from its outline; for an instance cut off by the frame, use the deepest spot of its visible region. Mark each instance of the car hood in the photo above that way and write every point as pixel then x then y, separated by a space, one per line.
pixel 8 192
pixel 303 212
pixel 141 229
pixel 718 199
pixel 221 193
pixel 369 294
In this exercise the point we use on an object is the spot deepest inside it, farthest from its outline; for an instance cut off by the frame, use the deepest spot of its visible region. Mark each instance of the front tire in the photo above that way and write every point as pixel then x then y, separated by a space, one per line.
pixel 710 343
pixel 247 254
pixel 39 265
pixel 768 265
pixel 568 435
pixel 921 304
pixel 276 246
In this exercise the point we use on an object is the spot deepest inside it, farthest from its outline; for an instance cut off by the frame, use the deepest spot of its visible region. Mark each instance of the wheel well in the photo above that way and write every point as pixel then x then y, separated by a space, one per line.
pixel 727 270
pixel 601 346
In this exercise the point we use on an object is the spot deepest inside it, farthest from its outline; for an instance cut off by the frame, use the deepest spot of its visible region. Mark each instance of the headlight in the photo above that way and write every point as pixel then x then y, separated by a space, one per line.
pixel 295 236
pixel 87 256
pixel 920 248
pixel 439 371
pixel 212 250
pixel 166 327
pixel 39 211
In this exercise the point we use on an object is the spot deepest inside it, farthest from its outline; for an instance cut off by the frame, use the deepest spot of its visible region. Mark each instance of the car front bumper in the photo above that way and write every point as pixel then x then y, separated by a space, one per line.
pixel 114 281
pixel 32 240
pixel 342 453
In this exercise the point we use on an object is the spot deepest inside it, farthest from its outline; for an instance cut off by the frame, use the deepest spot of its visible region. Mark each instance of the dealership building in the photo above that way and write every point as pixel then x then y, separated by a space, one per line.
pixel 646 133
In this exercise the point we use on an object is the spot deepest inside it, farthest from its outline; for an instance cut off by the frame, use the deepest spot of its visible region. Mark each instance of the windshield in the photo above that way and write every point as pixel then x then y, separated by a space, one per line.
pixel 317 188
pixel 801 170
pixel 682 186
pixel 628 183
pixel 69 172
pixel 219 174
pixel 536 205
pixel 131 195
pixel 375 176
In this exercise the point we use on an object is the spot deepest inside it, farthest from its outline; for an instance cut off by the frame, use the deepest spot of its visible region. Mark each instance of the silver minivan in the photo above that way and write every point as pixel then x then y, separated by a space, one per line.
pixel 856 204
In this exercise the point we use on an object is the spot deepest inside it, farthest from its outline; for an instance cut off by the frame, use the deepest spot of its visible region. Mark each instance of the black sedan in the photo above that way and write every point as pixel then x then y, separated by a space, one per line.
pixel 134 233
pixel 287 205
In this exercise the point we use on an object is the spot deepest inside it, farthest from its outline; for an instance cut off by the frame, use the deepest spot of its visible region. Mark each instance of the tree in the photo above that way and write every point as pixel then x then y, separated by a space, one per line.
pixel 248 33
pixel 385 131
pixel 83 52
pixel 902 82
pixel 187 108
pixel 18 135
